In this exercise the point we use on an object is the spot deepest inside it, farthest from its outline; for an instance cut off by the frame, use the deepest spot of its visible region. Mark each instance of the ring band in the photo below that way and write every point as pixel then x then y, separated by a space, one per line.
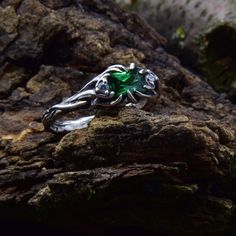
pixel 116 86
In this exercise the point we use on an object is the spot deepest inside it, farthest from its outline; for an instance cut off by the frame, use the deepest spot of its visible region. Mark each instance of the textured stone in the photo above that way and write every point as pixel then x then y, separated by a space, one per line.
pixel 169 168
pixel 8 26
pixel 11 77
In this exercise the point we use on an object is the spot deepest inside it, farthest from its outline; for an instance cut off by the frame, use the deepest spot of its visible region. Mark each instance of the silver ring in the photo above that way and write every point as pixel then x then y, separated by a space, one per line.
pixel 116 86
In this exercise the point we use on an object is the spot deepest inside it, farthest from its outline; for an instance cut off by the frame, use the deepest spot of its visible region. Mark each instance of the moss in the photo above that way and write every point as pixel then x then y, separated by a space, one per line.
pixel 181 33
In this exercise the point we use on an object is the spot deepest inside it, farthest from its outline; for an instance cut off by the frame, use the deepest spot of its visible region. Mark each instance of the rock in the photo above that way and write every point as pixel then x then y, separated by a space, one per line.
pixel 144 189
pixel 146 139
pixel 11 77
pixel 169 168
pixel 9 22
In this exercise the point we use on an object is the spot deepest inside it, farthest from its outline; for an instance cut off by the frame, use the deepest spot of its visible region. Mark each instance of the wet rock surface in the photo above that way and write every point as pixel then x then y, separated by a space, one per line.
pixel 169 168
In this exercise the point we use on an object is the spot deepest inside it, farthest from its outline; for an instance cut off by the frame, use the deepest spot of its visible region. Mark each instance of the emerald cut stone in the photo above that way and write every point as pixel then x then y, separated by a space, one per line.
pixel 122 82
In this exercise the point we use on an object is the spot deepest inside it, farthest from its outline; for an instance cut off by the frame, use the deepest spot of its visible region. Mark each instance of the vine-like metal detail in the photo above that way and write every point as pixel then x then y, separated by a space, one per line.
pixel 116 86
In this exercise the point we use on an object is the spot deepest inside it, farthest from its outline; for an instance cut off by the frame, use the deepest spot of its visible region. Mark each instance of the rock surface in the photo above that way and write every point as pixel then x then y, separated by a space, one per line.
pixel 167 169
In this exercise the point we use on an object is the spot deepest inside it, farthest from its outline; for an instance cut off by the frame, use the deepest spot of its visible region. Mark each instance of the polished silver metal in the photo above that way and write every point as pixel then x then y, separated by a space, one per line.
pixel 97 93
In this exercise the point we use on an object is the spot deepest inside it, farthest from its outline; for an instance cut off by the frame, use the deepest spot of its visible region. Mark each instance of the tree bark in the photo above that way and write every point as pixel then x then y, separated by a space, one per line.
pixel 200 33
pixel 169 168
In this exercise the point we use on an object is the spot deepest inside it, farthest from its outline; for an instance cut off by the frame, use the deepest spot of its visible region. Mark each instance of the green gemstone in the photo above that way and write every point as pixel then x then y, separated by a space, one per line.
pixel 122 82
